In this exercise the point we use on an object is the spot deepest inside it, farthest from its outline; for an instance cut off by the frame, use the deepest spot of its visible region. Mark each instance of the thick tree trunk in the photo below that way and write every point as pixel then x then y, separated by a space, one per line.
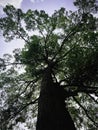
pixel 52 112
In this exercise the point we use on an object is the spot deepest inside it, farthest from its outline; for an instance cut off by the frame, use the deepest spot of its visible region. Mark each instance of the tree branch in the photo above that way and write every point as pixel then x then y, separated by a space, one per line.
pixel 82 88
pixel 19 111
pixel 86 112
pixel 26 105
pixel 93 98
pixel 20 35
pixel 69 35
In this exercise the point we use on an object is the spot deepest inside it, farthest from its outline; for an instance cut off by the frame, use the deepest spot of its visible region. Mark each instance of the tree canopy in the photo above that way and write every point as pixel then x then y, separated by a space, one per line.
pixel 67 43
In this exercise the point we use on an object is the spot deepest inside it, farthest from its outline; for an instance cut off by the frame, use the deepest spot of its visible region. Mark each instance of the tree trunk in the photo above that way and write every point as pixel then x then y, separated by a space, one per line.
pixel 52 111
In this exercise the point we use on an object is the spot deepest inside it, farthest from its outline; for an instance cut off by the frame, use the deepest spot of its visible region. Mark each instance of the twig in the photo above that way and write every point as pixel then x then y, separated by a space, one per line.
pixel 19 111
pixel 93 98
pixel 86 112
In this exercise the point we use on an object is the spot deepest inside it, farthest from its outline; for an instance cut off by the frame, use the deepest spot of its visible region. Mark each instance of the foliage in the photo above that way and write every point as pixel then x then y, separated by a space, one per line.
pixel 67 43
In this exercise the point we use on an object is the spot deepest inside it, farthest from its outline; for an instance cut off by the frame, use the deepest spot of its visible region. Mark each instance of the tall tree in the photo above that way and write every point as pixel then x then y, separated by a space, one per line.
pixel 60 59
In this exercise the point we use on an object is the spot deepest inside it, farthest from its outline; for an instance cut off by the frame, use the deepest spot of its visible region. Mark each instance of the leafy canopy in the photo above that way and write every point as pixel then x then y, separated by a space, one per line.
pixel 66 42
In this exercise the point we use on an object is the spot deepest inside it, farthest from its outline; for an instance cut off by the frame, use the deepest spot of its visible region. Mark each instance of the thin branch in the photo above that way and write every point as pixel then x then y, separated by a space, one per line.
pixel 64 41
pixel 93 98
pixel 87 90
pixel 19 94
pixel 13 63
pixel 82 88
pixel 28 62
pixel 61 58
pixel 46 40
pixel 28 84
pixel 86 112
pixel 54 77
pixel 20 35
pixel 69 35
pixel 26 105
pixel 20 110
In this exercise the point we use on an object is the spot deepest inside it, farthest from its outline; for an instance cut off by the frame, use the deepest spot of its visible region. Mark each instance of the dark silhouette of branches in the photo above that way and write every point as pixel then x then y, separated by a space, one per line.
pixel 66 39
pixel 86 112
pixel 12 116
pixel 93 98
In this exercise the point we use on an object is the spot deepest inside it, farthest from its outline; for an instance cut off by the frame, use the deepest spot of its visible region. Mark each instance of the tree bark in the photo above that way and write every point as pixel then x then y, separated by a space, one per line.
pixel 52 111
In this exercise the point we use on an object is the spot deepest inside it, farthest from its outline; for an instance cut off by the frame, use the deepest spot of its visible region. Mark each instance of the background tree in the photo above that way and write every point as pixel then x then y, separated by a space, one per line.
pixel 60 62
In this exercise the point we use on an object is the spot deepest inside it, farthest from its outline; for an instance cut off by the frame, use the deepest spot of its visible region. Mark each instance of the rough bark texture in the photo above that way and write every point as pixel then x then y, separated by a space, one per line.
pixel 52 111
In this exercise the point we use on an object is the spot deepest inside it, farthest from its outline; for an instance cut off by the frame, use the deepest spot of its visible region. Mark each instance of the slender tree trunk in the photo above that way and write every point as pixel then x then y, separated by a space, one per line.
pixel 52 111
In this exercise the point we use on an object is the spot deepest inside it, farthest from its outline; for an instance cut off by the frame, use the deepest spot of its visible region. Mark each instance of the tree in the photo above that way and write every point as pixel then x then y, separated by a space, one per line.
pixel 60 60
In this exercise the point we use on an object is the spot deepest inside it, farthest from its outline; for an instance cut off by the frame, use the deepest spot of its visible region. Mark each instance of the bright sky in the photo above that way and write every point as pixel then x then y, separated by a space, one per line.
pixel 48 5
